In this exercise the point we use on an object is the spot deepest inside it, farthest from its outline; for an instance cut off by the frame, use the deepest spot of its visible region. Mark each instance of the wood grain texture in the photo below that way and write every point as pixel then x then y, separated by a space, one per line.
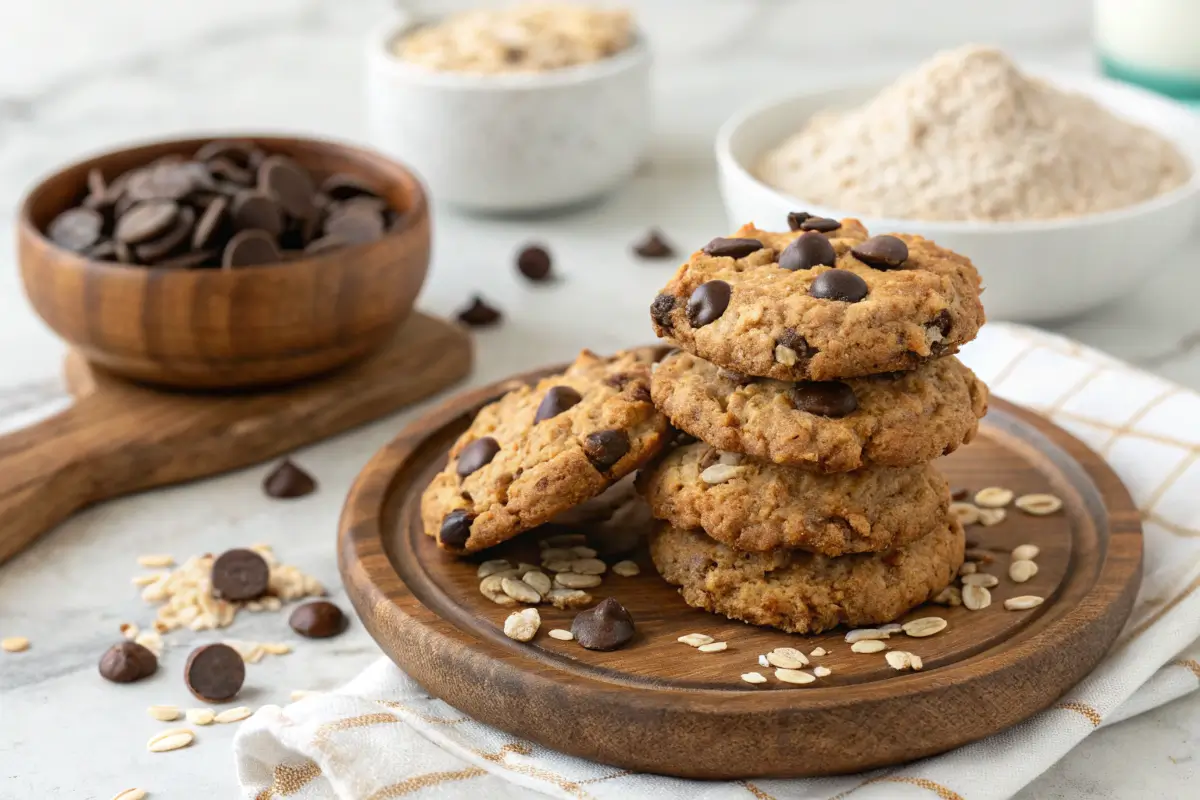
pixel 223 328
pixel 120 437
pixel 660 706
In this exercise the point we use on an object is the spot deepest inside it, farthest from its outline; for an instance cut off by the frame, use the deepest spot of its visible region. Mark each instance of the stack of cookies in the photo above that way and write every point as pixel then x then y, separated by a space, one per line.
pixel 816 370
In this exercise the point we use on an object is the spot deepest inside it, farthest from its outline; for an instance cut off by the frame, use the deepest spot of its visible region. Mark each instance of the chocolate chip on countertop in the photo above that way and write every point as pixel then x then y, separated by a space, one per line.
pixel 820 224
pixel 479 314
pixel 76 229
pixel 319 619
pixel 127 662
pixel 654 245
pixel 824 398
pixel 557 400
pixel 215 673
pixel 250 248
pixel 708 302
pixel 605 448
pixel 476 456
pixel 959 493
pixel 534 262
pixel 606 626
pixel 732 248
pixel 661 308
pixel 797 218
pixel 807 251
pixel 838 284
pixel 881 252
pixel 456 528
pixel 240 574
pixel 288 481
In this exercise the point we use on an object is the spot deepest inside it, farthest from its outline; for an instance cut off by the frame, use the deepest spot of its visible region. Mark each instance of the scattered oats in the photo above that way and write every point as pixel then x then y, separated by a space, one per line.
pixel 925 626
pixel 562 634
pixel 572 580
pixel 787 658
pixel 523 567
pixel 146 580
pixel 976 598
pixel 868 646
pixel 822 672
pixel 489 567
pixel 860 634
pixel 1021 571
pixel 991 516
pixel 984 579
pixel 1026 552
pixel 966 513
pixel 129 630
pixel 232 715
pixel 993 497
pixel 950 596
pixel 539 581
pixel 164 713
pixel 695 639
pixel 276 648
pixel 300 694
pixel 890 628
pixel 522 625
pixel 255 606
pixel 1039 505
pixel 785 355
pixel 1023 603
pixel 915 662
pixel 251 652
pixel 557 566
pixel 168 740
pixel 200 716
pixel 588 566
pixel 557 554
pixel 151 640
pixel 155 560
pixel 579 551
pixel 626 569
pixel 968 568
pixel 898 659
pixel 565 599
pixel 491 588
pixel 719 473
pixel 713 647
pixel 818 651
pixel 131 794
pixel 520 591
pixel 753 677
pixel 794 676
pixel 565 540
pixel 762 661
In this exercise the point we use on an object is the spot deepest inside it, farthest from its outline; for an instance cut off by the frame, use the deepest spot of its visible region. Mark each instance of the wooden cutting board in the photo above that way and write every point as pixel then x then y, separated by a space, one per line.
pixel 119 437
pixel 661 706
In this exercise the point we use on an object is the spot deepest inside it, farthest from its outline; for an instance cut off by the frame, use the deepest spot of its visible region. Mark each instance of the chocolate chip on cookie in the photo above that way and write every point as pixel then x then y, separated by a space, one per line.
pixel 477 455
pixel 556 401
pixel 820 224
pixel 661 308
pixel 809 250
pixel 732 248
pixel 605 448
pixel 824 398
pixel 456 529
pixel 838 284
pixel 797 218
pixel 790 340
pixel 708 303
pixel 881 252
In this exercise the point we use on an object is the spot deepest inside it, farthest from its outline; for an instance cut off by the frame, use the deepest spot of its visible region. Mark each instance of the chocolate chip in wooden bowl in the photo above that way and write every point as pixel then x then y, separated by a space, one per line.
pixel 881 252
pixel 838 284
pixel 476 455
pixel 605 448
pixel 479 314
pixel 215 673
pixel 534 262
pixel 288 481
pixel 708 302
pixel 290 185
pixel 605 626
pixel 250 248
pixel 145 221
pixel 127 662
pixel 77 229
pixel 170 241
pixel 324 245
pixel 807 251
pixel 212 225
pixel 557 400
pixel 238 151
pixel 824 398
pixel 723 247
pixel 653 245
pixel 355 223
pixel 240 574
pixel 341 186
pixel 255 210
pixel 319 619
pixel 797 218
pixel 820 224
pixel 455 529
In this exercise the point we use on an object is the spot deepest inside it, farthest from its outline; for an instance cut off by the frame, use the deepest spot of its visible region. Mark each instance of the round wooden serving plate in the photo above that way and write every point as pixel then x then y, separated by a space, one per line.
pixel 661 706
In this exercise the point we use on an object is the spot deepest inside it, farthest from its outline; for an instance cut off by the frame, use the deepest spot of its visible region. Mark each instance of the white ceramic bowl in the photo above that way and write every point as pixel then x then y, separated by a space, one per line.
pixel 1035 270
pixel 511 143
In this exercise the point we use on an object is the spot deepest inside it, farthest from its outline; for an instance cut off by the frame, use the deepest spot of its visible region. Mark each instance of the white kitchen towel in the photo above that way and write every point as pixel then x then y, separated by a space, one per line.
pixel 381 736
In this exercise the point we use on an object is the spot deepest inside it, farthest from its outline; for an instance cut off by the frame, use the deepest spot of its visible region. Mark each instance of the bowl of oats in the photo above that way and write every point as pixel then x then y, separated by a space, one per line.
pixel 519 109
pixel 1063 188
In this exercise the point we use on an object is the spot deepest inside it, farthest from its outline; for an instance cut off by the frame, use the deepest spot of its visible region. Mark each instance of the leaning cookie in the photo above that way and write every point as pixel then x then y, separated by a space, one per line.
pixel 801 592
pixel 820 304
pixel 540 450
pixel 898 420
pixel 757 506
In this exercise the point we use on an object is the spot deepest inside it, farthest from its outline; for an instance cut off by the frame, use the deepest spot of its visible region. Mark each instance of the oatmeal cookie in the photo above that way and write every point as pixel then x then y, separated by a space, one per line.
pixel 540 450
pixel 757 506
pixel 898 420
pixel 820 303
pixel 802 592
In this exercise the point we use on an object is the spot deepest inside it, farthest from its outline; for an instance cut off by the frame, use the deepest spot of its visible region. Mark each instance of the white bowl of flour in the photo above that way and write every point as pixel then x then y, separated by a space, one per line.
pixel 1061 203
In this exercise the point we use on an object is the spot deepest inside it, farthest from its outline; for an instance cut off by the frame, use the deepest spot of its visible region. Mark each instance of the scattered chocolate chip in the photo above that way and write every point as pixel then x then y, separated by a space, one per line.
pixel 76 229
pixel 479 314
pixel 145 221
pixel 959 493
pixel 654 245
pixel 797 218
pixel 881 252
pixel 557 400
pixel 824 398
pixel 319 619
pixel 534 263
pixel 732 248
pixel 250 248
pixel 838 284
pixel 127 662
pixel 215 673
pixel 456 528
pixel 289 184
pixel 796 343
pixel 605 448
pixel 820 224
pixel 606 626
pixel 476 456
pixel 708 302
pixel 661 308
pixel 807 251
pixel 288 481
pixel 240 574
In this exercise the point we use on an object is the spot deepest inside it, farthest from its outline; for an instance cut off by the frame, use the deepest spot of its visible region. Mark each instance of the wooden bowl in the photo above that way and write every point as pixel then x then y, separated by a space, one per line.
pixel 228 328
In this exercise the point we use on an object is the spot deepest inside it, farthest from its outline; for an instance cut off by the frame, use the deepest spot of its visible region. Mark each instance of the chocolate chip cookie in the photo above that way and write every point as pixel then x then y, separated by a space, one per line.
pixel 898 419
pixel 540 450
pixel 820 303
pixel 757 506
pixel 802 592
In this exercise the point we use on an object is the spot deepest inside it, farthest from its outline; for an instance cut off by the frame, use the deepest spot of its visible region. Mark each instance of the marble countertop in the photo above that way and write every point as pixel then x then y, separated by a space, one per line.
pixel 78 76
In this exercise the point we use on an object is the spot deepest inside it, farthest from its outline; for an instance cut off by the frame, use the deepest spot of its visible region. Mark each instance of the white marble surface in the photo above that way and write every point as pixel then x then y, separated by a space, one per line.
pixel 77 76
